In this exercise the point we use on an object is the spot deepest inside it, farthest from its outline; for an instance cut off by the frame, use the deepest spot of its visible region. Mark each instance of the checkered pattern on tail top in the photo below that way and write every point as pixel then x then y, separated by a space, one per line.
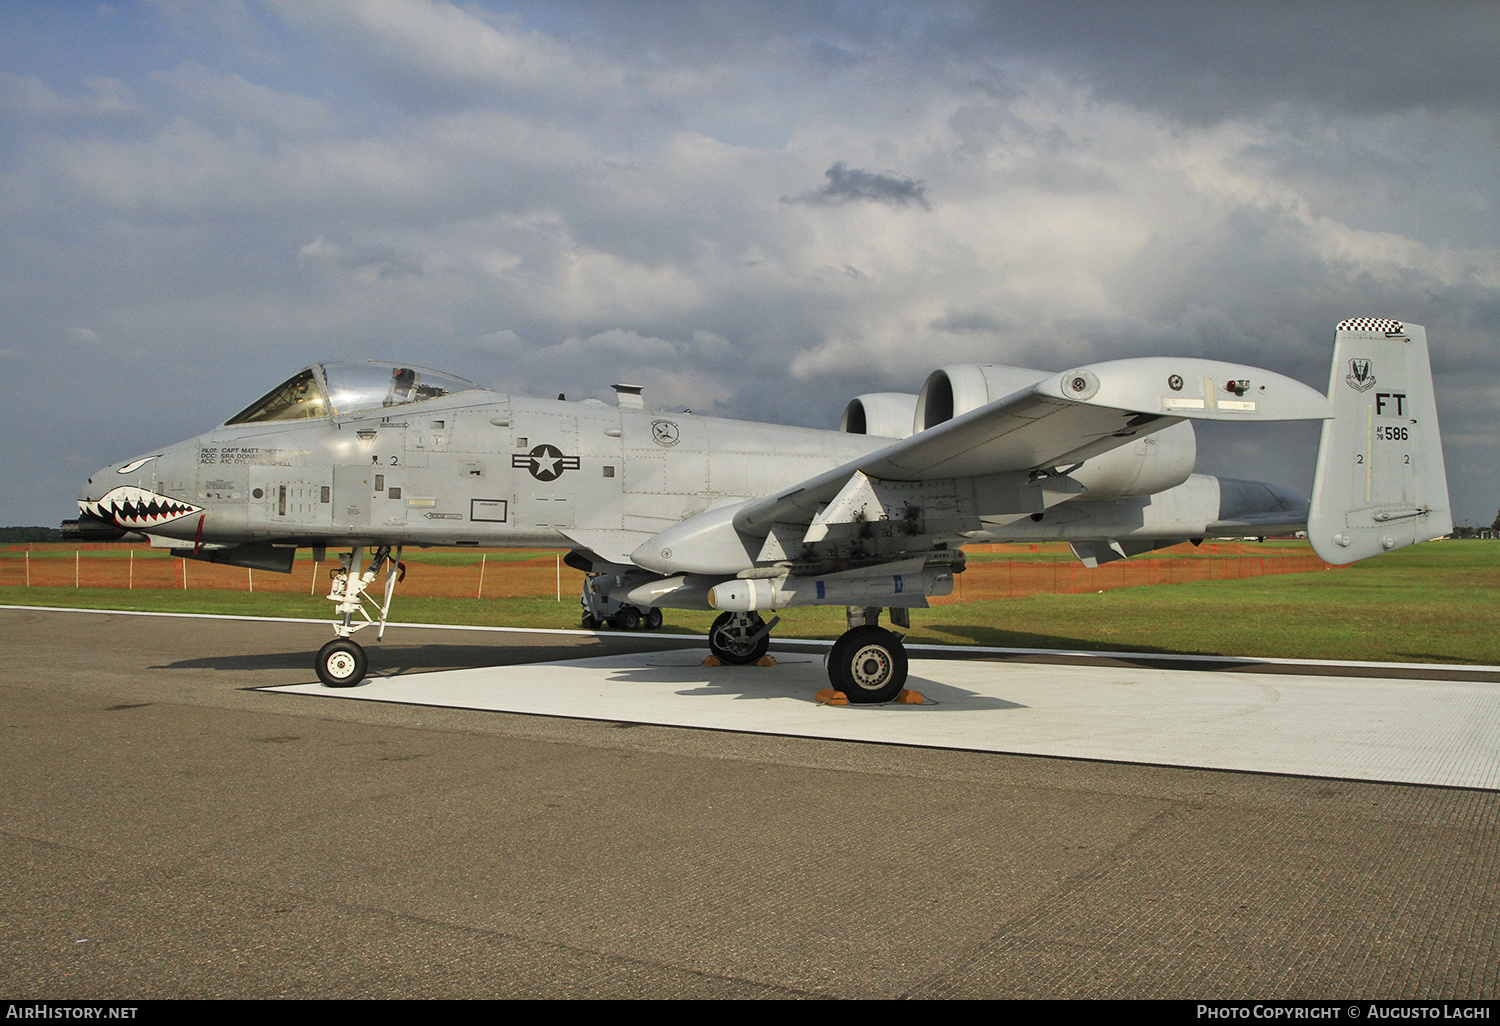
pixel 1382 324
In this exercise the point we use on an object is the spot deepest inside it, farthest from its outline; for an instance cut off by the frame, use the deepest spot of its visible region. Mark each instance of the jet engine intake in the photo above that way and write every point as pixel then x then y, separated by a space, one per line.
pixel 951 391
pixel 884 414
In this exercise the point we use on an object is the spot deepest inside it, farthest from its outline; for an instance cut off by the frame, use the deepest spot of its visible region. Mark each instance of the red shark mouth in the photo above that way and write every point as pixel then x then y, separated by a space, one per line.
pixel 129 506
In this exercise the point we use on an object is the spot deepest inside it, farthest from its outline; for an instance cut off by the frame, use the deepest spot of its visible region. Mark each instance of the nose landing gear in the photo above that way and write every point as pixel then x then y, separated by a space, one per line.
pixel 342 663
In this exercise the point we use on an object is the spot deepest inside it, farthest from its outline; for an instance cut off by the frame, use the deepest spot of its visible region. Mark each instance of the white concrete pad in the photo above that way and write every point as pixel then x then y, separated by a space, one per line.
pixel 1410 731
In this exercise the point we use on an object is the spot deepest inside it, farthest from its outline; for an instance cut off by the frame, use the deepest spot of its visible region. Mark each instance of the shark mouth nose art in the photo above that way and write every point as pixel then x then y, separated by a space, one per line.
pixel 129 506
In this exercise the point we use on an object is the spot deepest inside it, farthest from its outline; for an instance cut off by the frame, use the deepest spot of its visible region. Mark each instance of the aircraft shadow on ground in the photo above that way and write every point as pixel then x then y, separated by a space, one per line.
pixel 751 683
pixel 396 660
pixel 1149 656
pixel 740 682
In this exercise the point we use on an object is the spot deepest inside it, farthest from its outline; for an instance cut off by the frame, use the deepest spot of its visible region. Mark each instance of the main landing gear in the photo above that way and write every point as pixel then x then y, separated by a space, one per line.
pixel 740 638
pixel 342 663
pixel 868 663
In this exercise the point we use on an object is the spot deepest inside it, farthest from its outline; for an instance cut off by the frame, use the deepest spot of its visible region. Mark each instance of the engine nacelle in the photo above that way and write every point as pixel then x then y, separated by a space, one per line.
pixel 886 414
pixel 1150 464
pixel 951 391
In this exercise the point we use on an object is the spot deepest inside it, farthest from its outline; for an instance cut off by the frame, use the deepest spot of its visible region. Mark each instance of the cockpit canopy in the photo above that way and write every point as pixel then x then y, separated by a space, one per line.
pixel 347 386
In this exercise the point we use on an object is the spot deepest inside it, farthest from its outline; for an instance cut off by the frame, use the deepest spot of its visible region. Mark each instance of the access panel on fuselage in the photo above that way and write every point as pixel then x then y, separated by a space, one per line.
pixel 666 469
pixel 285 498
pixel 566 467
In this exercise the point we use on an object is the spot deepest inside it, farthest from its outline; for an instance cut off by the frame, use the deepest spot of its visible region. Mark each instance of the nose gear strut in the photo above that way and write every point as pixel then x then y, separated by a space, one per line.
pixel 342 663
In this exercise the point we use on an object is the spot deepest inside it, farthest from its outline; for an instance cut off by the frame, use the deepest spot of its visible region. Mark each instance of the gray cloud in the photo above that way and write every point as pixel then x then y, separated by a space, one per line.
pixel 852 185
pixel 1204 62
pixel 957 322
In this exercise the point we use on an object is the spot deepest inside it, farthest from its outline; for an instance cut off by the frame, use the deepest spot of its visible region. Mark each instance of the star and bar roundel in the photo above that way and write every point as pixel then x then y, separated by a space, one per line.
pixel 546 462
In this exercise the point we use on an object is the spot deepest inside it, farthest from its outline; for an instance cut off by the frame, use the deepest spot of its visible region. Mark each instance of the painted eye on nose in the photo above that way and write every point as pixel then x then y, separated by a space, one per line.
pixel 136 464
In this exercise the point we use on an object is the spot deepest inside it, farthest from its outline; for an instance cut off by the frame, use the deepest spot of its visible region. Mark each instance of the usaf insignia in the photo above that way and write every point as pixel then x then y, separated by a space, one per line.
pixel 546 462
pixel 1361 376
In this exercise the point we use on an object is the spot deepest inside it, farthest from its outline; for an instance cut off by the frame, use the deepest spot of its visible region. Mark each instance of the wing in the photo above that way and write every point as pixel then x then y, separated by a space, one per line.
pixel 1004 457
pixel 1062 420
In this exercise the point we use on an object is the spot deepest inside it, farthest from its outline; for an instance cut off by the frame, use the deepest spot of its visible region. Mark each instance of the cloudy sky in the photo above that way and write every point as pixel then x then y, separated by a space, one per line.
pixel 756 210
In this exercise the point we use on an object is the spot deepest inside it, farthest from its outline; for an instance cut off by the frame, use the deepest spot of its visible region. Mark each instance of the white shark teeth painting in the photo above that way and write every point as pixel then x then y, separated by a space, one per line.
pixel 129 506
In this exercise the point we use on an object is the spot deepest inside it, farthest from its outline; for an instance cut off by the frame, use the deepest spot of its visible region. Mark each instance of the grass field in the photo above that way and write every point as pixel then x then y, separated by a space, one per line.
pixel 1438 602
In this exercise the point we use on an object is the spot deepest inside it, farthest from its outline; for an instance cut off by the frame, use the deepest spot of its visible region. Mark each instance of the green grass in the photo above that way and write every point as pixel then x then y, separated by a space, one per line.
pixel 1431 603
pixel 1399 611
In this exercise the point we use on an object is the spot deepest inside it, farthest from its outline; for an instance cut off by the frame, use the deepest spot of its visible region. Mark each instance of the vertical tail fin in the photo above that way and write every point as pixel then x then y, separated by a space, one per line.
pixel 1380 483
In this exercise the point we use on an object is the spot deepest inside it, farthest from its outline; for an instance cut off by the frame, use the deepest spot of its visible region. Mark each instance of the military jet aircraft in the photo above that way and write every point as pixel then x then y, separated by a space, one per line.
pixel 682 511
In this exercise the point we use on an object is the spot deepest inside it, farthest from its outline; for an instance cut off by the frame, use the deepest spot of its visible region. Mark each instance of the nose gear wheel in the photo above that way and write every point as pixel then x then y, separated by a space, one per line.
pixel 342 663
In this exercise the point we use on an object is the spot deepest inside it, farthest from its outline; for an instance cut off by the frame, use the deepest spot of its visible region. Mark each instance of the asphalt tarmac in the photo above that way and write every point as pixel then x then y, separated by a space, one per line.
pixel 170 830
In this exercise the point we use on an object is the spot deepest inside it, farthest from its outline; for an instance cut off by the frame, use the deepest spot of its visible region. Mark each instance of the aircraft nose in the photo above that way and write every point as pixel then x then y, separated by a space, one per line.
pixel 127 496
pixel 95 488
pixel 93 524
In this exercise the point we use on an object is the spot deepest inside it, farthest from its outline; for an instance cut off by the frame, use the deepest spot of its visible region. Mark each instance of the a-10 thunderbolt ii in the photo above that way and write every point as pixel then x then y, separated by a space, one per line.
pixel 683 511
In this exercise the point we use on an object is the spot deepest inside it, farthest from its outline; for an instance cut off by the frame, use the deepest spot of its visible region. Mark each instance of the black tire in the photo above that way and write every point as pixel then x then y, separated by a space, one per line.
pixel 836 653
pixel 342 663
pixel 868 664
pixel 628 619
pixel 590 622
pixel 731 643
pixel 653 619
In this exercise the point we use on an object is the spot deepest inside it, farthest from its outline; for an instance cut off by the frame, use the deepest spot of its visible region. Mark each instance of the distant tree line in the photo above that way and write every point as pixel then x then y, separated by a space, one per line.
pixel 12 535
pixel 1478 532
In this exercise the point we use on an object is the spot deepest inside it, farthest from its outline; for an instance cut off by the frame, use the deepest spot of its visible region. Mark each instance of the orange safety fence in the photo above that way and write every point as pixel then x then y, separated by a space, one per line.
pixel 1006 579
pixel 477 575
pixel 64 566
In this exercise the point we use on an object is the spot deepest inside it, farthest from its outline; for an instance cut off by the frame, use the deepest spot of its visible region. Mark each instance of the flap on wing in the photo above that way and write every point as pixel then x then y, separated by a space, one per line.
pixel 1064 419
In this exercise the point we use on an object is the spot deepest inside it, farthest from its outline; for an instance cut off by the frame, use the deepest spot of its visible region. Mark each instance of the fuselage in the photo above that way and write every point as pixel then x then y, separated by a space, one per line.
pixel 472 467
